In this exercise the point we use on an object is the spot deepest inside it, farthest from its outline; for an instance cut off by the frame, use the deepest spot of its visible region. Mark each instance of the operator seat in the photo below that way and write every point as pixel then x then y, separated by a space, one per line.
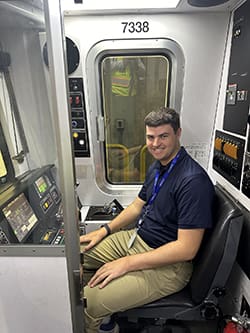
pixel 199 300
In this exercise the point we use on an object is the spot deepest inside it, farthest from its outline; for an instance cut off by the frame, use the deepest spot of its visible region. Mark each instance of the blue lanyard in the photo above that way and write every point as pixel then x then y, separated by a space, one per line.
pixel 157 187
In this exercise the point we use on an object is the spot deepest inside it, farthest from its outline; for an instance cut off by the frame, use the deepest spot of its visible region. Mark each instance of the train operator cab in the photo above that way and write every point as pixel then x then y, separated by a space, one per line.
pixel 77 79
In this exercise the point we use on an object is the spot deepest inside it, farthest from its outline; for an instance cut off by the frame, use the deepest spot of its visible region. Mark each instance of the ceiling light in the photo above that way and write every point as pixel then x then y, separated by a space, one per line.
pixel 206 3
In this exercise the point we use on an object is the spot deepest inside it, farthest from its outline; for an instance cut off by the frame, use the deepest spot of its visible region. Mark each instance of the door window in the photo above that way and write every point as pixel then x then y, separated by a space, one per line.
pixel 132 86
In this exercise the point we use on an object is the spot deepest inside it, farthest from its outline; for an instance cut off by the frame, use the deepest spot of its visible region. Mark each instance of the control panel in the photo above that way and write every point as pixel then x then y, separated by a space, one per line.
pixel 78 118
pixel 44 195
pixel 53 236
pixel 228 157
pixel 31 210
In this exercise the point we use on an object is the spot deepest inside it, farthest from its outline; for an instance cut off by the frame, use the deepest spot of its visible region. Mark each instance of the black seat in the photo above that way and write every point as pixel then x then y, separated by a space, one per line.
pixel 199 300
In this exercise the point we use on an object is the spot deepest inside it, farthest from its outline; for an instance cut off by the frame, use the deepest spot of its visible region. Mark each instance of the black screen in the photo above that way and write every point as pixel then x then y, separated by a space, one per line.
pixel 42 184
pixel 20 216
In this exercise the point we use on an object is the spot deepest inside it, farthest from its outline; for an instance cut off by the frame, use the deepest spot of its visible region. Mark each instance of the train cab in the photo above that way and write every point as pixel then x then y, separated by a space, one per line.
pixel 77 79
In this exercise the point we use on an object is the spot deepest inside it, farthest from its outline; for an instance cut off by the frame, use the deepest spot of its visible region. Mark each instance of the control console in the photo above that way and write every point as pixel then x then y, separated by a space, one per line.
pixel 31 210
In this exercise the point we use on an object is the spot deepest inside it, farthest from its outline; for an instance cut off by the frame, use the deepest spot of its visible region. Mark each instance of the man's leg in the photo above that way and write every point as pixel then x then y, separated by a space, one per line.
pixel 109 249
pixel 133 289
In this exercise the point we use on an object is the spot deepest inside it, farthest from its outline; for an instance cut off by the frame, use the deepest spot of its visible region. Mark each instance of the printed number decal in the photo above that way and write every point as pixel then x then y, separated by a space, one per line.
pixel 133 27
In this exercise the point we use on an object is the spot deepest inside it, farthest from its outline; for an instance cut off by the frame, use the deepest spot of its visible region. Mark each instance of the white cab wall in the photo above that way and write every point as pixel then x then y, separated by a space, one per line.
pixel 202 38
pixel 34 295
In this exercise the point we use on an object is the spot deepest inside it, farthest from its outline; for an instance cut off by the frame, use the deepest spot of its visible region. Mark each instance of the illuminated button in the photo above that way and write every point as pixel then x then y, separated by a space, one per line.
pixel 57 241
pixel 77 100
pixel 75 135
pixel 46 237
pixel 218 144
pixel 81 142
pixel 230 150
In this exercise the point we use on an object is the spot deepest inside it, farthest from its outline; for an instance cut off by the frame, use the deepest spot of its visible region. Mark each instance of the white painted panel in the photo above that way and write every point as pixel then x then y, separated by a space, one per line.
pixel 34 295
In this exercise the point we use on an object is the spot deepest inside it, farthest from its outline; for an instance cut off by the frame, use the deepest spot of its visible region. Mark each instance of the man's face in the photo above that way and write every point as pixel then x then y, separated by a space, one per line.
pixel 162 142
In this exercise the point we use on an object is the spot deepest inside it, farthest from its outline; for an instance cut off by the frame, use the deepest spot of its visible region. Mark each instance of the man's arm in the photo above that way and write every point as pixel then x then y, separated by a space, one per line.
pixel 183 249
pixel 126 217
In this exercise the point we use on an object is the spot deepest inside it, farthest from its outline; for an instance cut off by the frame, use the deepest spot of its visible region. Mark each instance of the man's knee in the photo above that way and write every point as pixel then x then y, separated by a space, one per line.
pixel 96 307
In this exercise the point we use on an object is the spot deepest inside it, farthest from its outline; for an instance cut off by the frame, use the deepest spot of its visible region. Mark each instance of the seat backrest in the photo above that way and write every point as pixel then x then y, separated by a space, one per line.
pixel 217 254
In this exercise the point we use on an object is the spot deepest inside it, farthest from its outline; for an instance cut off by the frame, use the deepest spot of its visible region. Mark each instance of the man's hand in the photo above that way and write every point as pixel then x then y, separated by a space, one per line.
pixel 93 238
pixel 109 272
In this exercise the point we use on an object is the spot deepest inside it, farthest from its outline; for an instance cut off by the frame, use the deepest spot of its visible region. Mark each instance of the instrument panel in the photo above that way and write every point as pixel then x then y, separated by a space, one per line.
pixel 31 210
pixel 228 157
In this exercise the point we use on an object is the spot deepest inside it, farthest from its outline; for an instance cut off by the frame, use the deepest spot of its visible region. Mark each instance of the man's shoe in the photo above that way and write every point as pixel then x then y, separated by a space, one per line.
pixel 109 327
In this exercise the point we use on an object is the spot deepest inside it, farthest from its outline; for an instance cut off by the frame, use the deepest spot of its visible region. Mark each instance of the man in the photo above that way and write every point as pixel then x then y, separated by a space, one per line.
pixel 172 210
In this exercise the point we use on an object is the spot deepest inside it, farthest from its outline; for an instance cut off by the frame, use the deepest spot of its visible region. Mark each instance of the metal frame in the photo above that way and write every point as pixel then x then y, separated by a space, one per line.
pixel 56 52
pixel 126 47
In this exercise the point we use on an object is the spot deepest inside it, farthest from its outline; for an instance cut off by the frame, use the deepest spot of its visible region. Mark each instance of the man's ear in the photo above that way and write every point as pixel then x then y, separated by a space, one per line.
pixel 178 132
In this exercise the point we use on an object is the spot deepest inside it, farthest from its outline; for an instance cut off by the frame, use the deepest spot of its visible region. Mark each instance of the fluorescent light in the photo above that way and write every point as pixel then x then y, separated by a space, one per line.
pixel 142 3
pixel 127 4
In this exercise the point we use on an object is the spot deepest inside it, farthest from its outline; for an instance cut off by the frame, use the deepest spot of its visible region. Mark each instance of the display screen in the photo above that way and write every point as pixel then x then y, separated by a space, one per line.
pixel 41 185
pixel 20 216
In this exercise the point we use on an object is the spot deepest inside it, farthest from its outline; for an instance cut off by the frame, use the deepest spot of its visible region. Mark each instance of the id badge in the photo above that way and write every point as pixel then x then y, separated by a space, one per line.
pixel 132 239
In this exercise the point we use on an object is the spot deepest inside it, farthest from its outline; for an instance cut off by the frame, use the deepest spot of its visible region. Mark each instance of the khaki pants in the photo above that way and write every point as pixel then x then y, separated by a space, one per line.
pixel 131 290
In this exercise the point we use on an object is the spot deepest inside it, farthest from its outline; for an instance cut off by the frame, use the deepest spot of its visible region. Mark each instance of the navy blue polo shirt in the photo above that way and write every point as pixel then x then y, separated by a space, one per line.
pixel 184 201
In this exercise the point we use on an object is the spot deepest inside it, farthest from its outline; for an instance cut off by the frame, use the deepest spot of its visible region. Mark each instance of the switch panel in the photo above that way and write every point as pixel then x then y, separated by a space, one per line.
pixel 228 157
pixel 78 118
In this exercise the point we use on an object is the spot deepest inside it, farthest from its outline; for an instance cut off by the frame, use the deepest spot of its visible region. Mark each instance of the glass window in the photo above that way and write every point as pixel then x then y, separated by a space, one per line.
pixel 31 208
pixel 132 86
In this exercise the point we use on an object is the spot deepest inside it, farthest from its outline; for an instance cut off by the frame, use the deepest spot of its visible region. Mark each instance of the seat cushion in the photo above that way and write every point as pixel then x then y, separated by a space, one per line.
pixel 180 299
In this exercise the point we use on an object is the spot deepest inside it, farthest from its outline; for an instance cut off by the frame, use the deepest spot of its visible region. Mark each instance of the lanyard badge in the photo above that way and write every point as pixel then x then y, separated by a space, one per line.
pixel 158 183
